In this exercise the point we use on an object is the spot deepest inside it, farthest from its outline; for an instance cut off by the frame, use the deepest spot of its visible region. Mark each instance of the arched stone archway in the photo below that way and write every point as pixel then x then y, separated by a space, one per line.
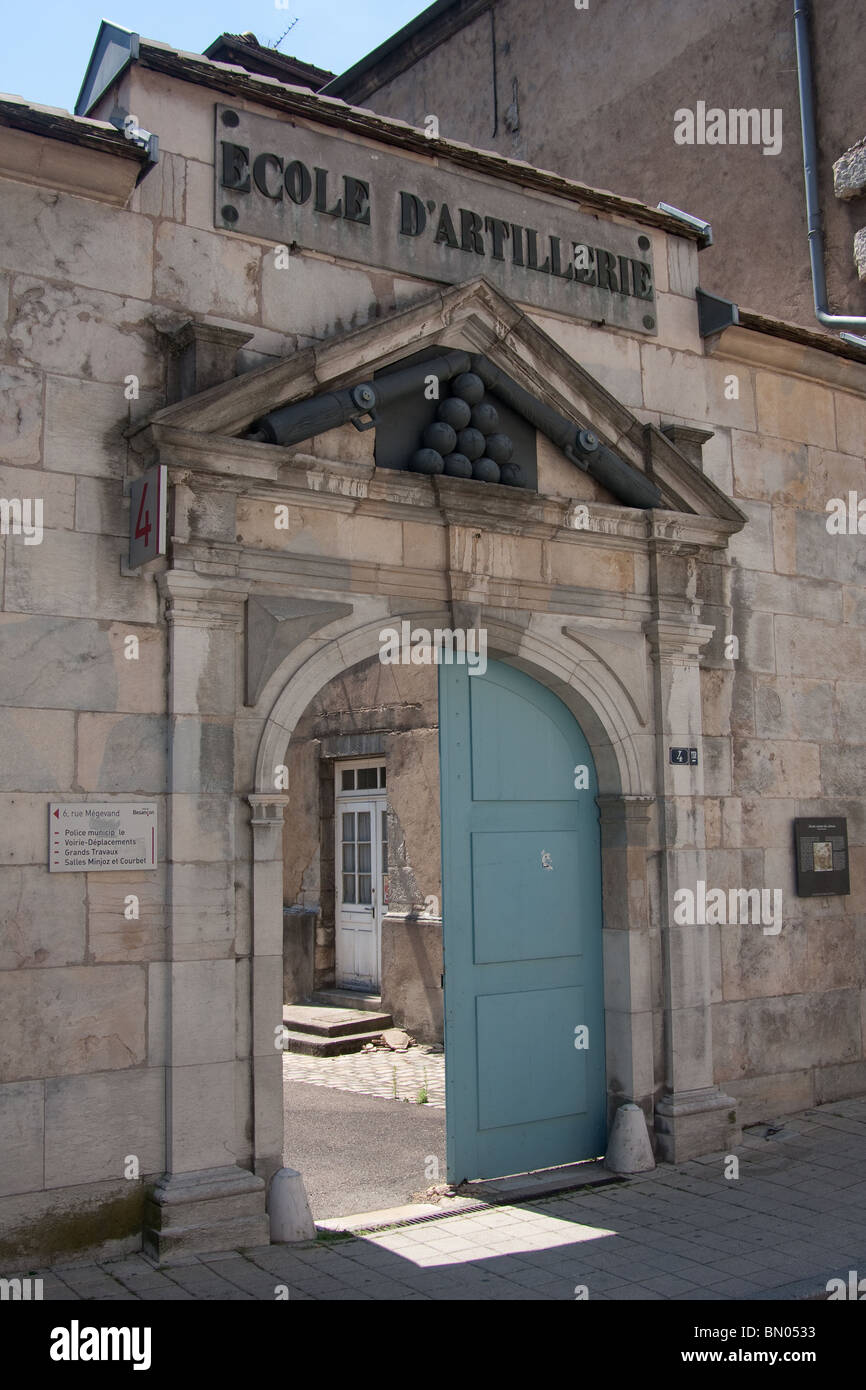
pixel 600 703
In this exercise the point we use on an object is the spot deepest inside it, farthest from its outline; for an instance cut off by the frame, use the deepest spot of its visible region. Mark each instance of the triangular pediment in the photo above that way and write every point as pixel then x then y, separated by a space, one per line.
pixel 477 320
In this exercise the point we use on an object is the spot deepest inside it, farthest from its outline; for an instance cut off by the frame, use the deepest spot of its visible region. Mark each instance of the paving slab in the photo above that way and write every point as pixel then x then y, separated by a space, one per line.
pixel 710 1239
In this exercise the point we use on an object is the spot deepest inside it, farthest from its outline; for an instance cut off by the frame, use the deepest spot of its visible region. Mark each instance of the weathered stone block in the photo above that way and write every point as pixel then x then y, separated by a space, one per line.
pixel 849 172
pixel 752 548
pixel 78 575
pixel 100 507
pixel 100 1219
pixel 833 474
pixel 299 928
pixel 42 916
pixel 411 975
pixel 205 273
pixel 205 671
pixel 762 1097
pixel 843 769
pixel 25 829
pixel 760 1036
pixel 316 297
pixel 86 333
pixel 851 696
pixel 682 266
pixel 811 649
pixel 775 593
pixel 111 935
pixel 755 965
pixel 60 1022
pixel 94 1123
pixel 201 829
pixel 578 566
pixel 21 417
pixel 37 749
pixel 612 359
pixel 684 386
pixel 203 1099
pixel 163 192
pixel 677 318
pixel 769 469
pixel 21 1135
pixel 794 709
pixel 203 909
pixel 77 239
pixel 774 767
pixel 202 1012
pixel 839 558
pixel 122 753
pixel 850 423
pixel 84 423
pixel 202 755
pixel 791 408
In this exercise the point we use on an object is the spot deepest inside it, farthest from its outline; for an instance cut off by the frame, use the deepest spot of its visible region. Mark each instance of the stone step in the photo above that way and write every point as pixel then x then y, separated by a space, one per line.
pixel 348 999
pixel 327 1022
pixel 313 1045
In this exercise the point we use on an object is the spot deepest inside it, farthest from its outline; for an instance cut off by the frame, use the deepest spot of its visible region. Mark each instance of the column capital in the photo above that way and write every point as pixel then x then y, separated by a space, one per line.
pixel 677 641
pixel 191 600
pixel 267 807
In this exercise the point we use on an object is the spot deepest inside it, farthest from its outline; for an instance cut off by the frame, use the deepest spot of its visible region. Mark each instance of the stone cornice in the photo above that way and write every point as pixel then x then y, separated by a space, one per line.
pixel 800 356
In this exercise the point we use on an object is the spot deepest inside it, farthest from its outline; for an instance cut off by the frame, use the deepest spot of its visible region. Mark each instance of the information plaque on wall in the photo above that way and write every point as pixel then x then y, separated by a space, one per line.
pixel 821 848
pixel 89 836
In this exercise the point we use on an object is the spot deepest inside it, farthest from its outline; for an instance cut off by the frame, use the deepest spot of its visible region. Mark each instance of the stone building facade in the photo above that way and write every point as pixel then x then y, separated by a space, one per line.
pixel 594 90
pixel 153 315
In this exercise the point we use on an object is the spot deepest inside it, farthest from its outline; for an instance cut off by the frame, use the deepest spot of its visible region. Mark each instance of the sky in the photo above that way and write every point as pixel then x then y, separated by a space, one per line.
pixel 44 52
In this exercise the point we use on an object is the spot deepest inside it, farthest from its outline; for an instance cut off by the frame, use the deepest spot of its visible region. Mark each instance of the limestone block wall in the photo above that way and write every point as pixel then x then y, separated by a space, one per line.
pixel 785 737
pixel 82 686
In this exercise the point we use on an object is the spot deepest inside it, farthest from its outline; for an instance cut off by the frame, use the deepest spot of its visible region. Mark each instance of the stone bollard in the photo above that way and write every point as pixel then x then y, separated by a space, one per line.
pixel 629 1149
pixel 288 1208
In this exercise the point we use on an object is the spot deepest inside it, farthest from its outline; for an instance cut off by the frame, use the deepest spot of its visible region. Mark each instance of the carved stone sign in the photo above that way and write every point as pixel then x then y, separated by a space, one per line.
pixel 290 184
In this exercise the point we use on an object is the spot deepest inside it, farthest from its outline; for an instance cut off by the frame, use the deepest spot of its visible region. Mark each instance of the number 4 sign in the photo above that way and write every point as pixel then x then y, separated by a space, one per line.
pixel 147 513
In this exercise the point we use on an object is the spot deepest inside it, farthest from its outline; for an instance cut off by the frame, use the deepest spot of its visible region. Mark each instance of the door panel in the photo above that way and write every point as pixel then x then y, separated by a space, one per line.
pixel 522 928
pixel 358 896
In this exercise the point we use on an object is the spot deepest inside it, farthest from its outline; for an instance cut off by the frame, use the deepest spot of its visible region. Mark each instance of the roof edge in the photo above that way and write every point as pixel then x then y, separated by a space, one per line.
pixel 53 123
pixel 425 32
pixel 332 111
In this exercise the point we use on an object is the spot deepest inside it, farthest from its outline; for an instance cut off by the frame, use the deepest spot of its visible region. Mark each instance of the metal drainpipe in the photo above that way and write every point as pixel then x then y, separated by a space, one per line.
pixel 810 159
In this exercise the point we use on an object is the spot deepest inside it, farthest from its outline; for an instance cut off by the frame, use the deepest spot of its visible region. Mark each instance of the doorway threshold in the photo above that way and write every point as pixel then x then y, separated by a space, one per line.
pixel 543 1182
pixel 480 1193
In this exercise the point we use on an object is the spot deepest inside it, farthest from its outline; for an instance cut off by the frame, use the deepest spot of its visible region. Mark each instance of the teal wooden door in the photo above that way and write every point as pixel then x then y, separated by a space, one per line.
pixel 525 1085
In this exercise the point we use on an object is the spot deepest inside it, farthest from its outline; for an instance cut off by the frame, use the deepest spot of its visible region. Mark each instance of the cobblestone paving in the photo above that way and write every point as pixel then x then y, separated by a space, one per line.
pixel 794 1218
pixel 377 1073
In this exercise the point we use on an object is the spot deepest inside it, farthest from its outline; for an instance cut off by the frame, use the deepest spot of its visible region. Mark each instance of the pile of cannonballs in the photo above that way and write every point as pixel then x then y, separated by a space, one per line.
pixel 464 440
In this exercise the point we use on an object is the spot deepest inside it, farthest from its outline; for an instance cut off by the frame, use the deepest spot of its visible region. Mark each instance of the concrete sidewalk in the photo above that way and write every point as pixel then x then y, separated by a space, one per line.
pixel 794 1218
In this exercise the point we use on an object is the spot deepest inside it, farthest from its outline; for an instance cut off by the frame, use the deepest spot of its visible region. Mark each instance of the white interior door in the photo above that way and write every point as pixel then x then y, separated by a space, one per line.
pixel 361 863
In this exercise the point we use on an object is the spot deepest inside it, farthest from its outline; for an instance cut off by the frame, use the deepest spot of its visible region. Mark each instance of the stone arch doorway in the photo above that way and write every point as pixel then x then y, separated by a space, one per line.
pixel 598 704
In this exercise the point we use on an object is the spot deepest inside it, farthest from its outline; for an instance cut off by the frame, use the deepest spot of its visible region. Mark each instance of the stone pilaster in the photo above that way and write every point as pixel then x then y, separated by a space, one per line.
pixel 628 973
pixel 209 1197
pixel 266 823
pixel 694 1117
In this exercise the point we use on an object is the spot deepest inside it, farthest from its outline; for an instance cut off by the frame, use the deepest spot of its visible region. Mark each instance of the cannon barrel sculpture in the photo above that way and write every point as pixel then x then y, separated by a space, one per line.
pixel 356 405
pixel 580 445
pixel 361 406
